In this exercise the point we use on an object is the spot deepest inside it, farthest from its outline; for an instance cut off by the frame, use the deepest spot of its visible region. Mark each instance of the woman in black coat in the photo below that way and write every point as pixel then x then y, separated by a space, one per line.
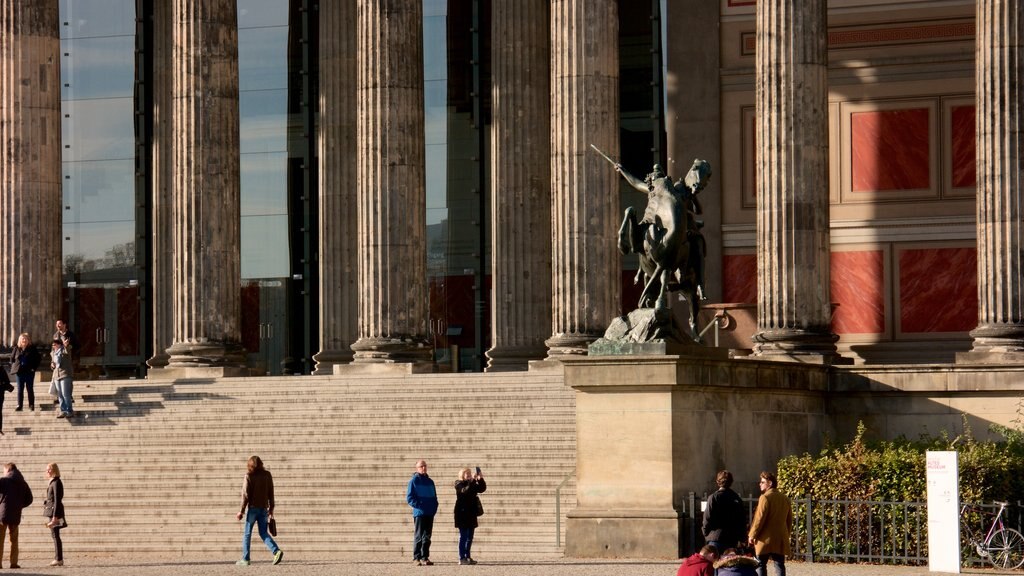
pixel 53 509
pixel 467 508
pixel 24 363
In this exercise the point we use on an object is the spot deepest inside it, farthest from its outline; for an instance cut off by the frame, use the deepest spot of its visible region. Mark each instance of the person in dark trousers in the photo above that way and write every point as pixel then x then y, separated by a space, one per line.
pixel 53 509
pixel 257 508
pixel 770 529
pixel 24 363
pixel 467 509
pixel 422 496
pixel 5 387
pixel 725 516
pixel 15 495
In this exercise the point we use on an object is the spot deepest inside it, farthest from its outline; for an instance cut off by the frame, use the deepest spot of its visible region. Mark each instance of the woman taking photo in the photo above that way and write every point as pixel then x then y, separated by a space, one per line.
pixel 53 509
pixel 24 363
pixel 467 508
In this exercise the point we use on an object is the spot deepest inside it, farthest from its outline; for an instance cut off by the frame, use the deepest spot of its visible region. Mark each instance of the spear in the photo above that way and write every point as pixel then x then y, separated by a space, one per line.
pixel 605 156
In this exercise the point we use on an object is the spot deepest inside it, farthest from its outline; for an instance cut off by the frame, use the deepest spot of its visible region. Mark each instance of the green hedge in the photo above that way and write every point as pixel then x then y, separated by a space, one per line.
pixel 894 471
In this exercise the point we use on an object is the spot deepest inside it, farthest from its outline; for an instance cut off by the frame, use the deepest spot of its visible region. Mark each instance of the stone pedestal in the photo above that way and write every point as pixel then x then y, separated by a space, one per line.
pixel 197 373
pixel 652 429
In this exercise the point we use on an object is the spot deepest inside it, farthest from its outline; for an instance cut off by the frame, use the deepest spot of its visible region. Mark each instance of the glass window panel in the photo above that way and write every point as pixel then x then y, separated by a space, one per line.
pixel 263 58
pixel 100 191
pixel 95 245
pixel 435 7
pixel 264 117
pixel 98 68
pixel 80 19
pixel 436 111
pixel 264 184
pixel 437 176
pixel 435 48
pixel 264 246
pixel 255 13
pixel 98 129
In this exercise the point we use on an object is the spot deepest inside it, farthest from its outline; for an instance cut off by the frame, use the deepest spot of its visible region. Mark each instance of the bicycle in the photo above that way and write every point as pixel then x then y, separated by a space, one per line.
pixel 1002 547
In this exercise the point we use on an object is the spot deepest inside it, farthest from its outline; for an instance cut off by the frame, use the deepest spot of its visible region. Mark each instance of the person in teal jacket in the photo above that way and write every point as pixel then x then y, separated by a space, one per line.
pixel 422 496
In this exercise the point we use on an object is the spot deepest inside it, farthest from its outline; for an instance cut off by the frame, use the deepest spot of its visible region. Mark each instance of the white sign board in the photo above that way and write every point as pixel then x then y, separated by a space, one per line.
pixel 943 512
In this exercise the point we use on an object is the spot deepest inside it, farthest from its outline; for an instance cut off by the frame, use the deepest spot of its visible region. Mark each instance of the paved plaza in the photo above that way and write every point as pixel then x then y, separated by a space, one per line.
pixel 393 566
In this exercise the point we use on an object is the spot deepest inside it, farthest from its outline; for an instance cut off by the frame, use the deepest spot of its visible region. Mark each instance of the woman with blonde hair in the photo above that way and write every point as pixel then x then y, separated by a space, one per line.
pixel 53 509
pixel 467 508
pixel 24 363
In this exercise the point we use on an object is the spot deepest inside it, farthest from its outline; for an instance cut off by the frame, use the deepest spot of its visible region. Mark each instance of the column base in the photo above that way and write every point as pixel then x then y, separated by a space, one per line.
pixel 800 346
pixel 403 350
pixel 206 354
pixel 654 533
pixel 326 360
pixel 999 344
pixel 513 358
pixel 569 344
pixel 159 360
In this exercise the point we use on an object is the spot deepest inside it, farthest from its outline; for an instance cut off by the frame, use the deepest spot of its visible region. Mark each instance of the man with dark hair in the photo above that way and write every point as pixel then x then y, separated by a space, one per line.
pixel 769 531
pixel 725 515
pixel 14 496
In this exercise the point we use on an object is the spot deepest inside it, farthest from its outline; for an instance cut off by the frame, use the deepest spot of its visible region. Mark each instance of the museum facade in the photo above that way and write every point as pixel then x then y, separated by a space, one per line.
pixel 289 187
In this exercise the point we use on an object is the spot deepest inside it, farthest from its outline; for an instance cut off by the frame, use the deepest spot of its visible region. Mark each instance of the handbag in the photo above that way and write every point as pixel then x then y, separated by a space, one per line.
pixel 479 506
pixel 272 526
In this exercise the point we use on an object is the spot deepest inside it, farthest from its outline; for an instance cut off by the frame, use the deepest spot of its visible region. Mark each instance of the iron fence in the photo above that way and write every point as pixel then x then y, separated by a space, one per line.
pixel 856 530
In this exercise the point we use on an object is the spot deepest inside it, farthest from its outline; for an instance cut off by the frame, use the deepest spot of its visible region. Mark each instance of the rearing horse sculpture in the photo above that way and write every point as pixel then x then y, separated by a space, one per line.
pixel 668 237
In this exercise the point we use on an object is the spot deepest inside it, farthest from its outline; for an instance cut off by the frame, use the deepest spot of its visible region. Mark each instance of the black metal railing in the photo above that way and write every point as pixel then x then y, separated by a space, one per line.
pixel 856 530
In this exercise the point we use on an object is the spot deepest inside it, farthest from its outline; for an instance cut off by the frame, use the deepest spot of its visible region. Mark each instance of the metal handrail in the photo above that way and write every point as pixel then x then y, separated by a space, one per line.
pixel 558 509
pixel 720 321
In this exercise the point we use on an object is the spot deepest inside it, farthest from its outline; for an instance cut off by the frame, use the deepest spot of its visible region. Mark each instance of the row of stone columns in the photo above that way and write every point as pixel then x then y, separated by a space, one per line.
pixel 197 180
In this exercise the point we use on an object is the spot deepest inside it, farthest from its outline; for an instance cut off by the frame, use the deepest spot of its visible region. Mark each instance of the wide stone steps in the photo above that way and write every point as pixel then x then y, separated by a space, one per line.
pixel 156 466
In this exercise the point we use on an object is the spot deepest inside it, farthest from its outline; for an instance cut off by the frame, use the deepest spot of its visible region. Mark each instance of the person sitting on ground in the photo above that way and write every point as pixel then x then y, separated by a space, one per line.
pixel 700 564
pixel 733 564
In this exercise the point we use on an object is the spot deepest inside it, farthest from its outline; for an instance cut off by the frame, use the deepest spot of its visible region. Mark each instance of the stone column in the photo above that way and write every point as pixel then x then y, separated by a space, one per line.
pixel 999 336
pixel 520 183
pixel 206 185
pixel 585 263
pixel 30 169
pixel 794 311
pixel 162 174
pixel 336 149
pixel 391 184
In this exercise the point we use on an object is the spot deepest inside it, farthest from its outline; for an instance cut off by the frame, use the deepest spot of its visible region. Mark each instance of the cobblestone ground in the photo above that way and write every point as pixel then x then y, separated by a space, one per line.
pixel 392 566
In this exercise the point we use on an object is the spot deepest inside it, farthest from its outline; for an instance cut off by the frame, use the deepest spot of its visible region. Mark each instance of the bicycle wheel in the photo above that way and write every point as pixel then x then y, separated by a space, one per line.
pixel 1006 549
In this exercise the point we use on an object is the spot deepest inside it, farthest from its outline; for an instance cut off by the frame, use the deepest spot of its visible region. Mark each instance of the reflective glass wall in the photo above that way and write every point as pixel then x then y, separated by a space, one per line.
pixel 99 224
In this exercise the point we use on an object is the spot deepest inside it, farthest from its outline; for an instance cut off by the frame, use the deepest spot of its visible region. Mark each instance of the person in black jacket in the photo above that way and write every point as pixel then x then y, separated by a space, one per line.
pixel 725 516
pixel 24 363
pixel 467 508
pixel 14 496
pixel 53 509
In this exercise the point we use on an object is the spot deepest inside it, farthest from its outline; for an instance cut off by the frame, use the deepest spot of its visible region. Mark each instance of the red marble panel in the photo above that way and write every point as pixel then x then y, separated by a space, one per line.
pixel 733 3
pixel 938 290
pixel 128 321
pixel 91 311
pixel 251 317
pixel 739 278
pixel 963 159
pixel 858 286
pixel 890 150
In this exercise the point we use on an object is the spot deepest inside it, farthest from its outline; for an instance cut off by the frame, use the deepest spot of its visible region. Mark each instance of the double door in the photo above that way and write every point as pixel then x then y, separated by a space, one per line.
pixel 105 318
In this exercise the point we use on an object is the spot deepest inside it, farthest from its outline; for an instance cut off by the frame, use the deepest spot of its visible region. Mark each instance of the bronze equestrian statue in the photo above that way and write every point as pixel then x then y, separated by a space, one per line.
pixel 668 237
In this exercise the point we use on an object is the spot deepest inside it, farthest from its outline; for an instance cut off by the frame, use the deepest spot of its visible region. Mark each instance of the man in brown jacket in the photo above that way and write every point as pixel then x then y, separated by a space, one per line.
pixel 769 531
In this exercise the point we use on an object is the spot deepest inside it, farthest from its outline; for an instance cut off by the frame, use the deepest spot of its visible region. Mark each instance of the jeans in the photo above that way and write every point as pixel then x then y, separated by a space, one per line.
pixel 423 526
pixel 778 559
pixel 14 542
pixel 25 383
pixel 257 516
pixel 465 542
pixel 65 388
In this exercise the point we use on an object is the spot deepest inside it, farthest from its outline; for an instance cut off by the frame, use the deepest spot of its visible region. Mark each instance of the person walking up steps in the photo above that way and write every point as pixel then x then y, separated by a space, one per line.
pixel 257 508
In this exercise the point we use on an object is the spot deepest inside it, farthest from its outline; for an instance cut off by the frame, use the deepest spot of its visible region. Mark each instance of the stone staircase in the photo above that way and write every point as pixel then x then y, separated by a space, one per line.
pixel 156 467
